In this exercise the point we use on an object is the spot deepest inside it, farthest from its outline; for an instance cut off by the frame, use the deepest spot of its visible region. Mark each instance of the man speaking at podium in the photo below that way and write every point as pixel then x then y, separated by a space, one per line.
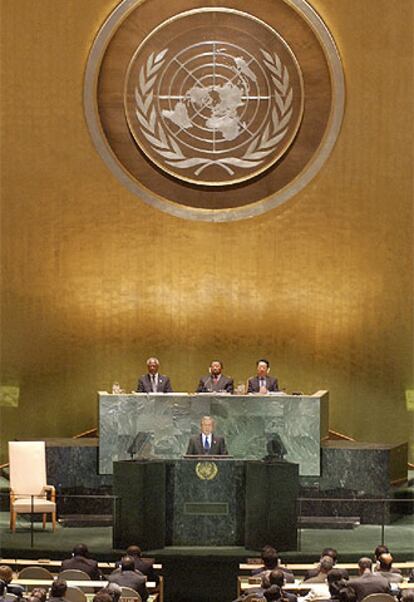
pixel 207 443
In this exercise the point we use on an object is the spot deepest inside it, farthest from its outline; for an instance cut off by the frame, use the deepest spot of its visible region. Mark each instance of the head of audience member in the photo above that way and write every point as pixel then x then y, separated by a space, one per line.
pixel 381 549
pixel 262 368
pixel 113 590
pixel 207 425
pixel 407 596
pixel 364 565
pixel 153 365
pixel 336 582
pixel 6 574
pixel 39 593
pixel 216 367
pixel 275 577
pixel 269 557
pixel 81 549
pixel 326 564
pixel 273 593
pixel 127 563
pixel 330 552
pixel 102 596
pixel 58 589
pixel 134 551
pixel 385 562
pixel 411 576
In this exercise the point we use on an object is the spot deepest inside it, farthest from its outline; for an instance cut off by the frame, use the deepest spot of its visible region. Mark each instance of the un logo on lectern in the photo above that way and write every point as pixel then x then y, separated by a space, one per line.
pixel 206 471
pixel 214 113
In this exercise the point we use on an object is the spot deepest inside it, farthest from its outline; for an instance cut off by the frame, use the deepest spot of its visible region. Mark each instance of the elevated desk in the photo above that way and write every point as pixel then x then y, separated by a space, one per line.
pixel 165 422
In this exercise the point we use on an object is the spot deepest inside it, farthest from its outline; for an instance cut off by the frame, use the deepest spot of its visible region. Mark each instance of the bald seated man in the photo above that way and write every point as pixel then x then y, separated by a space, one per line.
pixel 368 583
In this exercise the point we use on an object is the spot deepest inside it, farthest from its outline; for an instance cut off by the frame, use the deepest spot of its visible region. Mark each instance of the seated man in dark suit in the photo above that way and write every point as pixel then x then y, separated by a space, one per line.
pixel 262 383
pixel 278 577
pixel 379 550
pixel 127 576
pixel 326 565
pixel 270 559
pixel 385 569
pixel 368 583
pixel 207 442
pixel 80 560
pixel 6 576
pixel 153 382
pixel 57 591
pixel 215 380
pixel 326 552
pixel 143 565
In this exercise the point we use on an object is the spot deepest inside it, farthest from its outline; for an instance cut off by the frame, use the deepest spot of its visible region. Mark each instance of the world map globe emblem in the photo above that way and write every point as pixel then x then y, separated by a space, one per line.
pixel 207 103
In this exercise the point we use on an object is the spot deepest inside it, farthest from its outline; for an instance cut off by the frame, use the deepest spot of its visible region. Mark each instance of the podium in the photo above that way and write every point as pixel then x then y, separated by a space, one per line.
pixel 205 502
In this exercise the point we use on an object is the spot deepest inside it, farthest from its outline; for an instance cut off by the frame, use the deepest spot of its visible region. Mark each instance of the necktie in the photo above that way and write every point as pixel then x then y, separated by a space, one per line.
pixel 262 382
pixel 154 384
pixel 206 445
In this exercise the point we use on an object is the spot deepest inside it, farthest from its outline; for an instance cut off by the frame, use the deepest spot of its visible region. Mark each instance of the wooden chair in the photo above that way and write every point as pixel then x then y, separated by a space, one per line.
pixel 74 594
pixel 130 594
pixel 77 575
pixel 35 572
pixel 378 597
pixel 28 487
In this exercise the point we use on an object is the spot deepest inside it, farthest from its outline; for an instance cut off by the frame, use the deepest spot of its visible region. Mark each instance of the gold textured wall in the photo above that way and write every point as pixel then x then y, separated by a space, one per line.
pixel 94 281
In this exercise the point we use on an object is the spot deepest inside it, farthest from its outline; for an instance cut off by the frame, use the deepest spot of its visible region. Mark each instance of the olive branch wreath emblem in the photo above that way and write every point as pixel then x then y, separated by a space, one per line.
pixel 261 145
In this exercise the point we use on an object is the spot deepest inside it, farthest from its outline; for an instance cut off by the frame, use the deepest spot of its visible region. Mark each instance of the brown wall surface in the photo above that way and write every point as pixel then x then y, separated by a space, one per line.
pixel 94 281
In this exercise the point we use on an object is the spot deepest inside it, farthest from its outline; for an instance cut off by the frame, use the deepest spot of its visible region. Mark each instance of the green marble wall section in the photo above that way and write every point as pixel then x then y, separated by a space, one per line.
pixel 206 512
pixel 166 422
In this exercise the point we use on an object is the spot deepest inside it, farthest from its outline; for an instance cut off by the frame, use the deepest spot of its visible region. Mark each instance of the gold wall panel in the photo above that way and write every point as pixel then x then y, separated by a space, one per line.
pixel 93 281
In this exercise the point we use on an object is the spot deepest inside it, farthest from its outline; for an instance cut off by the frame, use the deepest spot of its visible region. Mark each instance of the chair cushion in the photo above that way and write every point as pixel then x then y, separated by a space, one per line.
pixel 39 505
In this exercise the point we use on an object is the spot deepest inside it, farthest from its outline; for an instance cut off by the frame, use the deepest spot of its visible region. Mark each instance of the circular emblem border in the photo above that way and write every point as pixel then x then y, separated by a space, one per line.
pixel 215 215
pixel 292 135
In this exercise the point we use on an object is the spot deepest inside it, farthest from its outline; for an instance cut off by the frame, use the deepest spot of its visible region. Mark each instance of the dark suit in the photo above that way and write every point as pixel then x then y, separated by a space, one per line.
pixel 144 566
pixel 390 576
pixel 253 385
pixel 218 446
pixel 318 578
pixel 145 384
pixel 132 579
pixel 313 572
pixel 263 572
pixel 369 584
pixel 258 593
pixel 81 563
pixel 207 384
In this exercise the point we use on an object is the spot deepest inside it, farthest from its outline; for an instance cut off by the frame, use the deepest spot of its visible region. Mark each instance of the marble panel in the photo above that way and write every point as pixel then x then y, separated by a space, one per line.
pixel 248 422
pixel 355 475
pixel 72 467
pixel 207 512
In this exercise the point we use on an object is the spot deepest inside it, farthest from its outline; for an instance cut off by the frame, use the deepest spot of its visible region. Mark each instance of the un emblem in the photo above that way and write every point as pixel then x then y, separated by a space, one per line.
pixel 206 471
pixel 214 112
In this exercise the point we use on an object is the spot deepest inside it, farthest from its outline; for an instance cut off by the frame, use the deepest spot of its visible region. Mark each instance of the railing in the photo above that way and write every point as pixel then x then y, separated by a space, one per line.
pixel 377 518
pixel 378 512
